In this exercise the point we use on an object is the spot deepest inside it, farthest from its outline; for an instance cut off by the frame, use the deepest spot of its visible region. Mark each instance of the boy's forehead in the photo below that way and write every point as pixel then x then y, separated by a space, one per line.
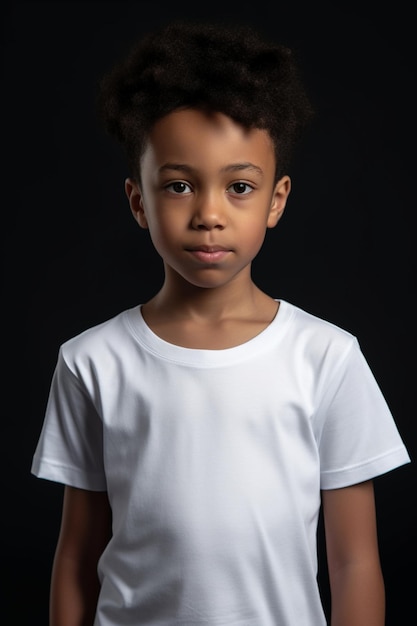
pixel 203 121
pixel 191 134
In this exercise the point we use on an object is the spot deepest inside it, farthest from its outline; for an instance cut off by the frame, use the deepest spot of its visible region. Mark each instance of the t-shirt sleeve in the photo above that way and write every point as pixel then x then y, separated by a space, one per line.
pixel 70 446
pixel 357 436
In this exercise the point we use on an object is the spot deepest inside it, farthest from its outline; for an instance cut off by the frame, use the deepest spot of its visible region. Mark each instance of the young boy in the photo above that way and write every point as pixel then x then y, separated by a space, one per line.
pixel 199 434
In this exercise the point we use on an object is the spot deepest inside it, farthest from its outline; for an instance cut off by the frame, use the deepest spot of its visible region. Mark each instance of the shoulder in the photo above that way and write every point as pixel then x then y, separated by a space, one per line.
pixel 98 342
pixel 317 335
pixel 318 352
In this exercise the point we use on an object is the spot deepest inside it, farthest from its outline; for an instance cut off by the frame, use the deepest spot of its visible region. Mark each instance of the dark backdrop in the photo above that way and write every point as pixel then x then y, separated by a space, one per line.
pixel 73 255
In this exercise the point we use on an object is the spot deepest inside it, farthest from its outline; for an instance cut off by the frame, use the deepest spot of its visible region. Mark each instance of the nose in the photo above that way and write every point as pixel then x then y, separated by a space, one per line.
pixel 209 212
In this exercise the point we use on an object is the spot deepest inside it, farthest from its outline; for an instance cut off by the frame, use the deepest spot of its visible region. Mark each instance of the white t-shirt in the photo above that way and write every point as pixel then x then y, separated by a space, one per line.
pixel 213 461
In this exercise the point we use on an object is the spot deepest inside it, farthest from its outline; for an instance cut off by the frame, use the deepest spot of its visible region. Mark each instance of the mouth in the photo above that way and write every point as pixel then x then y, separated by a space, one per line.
pixel 209 254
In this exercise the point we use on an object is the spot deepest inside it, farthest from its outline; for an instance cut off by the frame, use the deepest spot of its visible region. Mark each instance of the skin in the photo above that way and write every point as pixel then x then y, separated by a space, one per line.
pixel 85 532
pixel 356 581
pixel 207 196
pixel 223 195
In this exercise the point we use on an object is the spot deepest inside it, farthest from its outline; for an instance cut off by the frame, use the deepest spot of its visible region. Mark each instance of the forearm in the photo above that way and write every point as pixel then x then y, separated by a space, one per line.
pixel 74 593
pixel 358 596
pixel 85 532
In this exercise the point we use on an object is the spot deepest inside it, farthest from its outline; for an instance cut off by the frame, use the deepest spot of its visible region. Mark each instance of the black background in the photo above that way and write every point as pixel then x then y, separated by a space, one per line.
pixel 73 255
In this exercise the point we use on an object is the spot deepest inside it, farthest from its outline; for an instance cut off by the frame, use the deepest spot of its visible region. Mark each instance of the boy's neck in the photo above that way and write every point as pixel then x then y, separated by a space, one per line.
pixel 216 318
pixel 185 301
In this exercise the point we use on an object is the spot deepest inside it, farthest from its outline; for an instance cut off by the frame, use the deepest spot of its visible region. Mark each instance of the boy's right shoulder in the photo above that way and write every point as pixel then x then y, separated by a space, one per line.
pixel 110 334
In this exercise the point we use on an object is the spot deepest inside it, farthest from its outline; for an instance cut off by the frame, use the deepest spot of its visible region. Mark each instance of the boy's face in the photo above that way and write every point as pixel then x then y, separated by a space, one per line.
pixel 207 195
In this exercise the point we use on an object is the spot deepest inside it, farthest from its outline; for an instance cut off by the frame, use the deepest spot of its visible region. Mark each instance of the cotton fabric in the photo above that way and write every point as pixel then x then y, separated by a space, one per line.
pixel 213 461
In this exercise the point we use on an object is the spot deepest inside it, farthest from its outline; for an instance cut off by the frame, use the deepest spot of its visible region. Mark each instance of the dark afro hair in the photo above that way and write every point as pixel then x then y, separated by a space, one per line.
pixel 213 67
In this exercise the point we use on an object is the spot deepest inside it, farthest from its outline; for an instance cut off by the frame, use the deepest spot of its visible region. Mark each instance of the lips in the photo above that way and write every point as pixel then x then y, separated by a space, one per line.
pixel 209 254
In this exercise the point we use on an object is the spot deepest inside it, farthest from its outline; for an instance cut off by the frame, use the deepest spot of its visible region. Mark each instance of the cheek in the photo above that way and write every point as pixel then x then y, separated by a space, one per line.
pixel 256 241
pixel 163 231
pixel 253 232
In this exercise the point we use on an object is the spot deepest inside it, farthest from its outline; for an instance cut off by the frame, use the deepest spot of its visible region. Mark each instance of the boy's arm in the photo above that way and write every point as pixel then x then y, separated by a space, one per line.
pixel 85 532
pixel 356 581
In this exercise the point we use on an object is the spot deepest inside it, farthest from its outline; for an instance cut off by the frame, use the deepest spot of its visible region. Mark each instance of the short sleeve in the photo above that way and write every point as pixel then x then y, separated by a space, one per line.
pixel 358 438
pixel 70 446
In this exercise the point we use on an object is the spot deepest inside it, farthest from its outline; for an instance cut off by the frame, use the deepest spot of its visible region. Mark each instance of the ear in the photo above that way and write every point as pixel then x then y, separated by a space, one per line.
pixel 134 195
pixel 279 200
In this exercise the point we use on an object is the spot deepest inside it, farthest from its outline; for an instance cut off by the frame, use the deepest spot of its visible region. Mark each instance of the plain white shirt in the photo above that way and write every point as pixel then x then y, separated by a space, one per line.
pixel 213 461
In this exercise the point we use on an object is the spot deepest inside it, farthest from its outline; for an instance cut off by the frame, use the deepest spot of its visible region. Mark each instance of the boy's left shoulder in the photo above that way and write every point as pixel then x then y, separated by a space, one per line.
pixel 317 334
pixel 315 323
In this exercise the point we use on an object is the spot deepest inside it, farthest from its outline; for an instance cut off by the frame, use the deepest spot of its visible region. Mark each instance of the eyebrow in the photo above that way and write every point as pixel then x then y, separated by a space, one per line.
pixel 232 167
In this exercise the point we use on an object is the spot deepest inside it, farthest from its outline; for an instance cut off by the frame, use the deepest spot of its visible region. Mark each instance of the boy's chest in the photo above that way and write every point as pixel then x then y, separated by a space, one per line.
pixel 237 437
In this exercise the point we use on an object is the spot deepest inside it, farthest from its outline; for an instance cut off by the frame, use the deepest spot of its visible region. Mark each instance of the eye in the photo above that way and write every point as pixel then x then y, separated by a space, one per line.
pixel 178 187
pixel 240 188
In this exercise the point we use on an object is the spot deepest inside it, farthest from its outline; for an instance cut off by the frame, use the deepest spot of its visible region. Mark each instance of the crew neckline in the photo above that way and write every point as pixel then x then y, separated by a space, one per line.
pixel 199 357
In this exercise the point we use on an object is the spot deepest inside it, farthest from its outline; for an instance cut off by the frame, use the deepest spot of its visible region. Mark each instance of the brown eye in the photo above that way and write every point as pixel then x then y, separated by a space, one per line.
pixel 178 187
pixel 240 188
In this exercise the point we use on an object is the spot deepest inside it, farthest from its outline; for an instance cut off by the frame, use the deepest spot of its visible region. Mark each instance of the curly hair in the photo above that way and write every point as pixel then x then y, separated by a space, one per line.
pixel 212 67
